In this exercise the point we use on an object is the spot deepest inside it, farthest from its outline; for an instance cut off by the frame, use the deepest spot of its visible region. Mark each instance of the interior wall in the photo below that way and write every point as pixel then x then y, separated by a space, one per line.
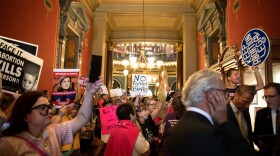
pixel 200 52
pixel 262 14
pixel 32 22
pixel 87 48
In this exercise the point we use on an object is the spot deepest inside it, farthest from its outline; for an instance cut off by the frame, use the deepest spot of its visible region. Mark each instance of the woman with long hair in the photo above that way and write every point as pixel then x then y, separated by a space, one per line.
pixel 30 132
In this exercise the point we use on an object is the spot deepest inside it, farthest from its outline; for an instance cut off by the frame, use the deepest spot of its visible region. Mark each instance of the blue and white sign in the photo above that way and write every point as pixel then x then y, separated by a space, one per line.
pixel 255 47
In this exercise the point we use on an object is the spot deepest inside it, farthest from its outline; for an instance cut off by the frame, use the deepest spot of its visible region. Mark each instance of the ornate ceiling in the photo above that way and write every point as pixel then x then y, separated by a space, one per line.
pixel 161 21
pixel 135 21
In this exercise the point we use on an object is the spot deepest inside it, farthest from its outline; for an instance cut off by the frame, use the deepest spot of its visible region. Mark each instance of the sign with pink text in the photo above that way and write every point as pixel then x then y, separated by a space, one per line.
pixel 108 119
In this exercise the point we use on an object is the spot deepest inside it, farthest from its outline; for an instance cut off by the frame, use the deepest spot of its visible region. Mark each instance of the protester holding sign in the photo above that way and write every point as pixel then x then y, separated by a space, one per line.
pixel 29 130
pixel 233 78
pixel 126 133
pixel 255 48
pixel 148 127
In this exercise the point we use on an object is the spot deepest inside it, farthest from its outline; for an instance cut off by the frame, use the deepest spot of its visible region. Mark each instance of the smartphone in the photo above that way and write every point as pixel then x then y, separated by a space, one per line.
pixel 95 68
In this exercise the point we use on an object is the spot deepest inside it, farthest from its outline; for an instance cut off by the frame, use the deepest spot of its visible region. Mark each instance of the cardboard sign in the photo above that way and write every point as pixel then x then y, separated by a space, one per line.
pixel 65 85
pixel 108 119
pixel 20 69
pixel 140 84
pixel 255 47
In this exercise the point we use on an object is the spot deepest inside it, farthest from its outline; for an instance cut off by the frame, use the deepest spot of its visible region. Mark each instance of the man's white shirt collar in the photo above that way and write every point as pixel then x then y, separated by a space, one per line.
pixel 202 112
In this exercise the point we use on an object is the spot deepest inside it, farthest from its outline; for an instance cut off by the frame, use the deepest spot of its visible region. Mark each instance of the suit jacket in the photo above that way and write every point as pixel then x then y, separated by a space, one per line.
pixel 246 114
pixel 263 126
pixel 194 135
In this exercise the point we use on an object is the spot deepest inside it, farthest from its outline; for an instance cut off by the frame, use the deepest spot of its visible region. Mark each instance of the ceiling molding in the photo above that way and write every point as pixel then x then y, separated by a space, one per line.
pixel 147 8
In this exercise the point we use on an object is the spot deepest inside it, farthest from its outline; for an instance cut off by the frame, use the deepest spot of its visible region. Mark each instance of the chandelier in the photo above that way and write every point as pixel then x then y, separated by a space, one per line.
pixel 142 62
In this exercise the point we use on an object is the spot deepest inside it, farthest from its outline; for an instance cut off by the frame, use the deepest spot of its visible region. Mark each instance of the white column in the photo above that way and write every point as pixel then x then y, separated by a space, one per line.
pixel 189 45
pixel 99 39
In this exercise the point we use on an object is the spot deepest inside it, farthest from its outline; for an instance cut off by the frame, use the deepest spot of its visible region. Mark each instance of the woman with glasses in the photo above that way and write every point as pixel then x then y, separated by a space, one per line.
pixel 148 126
pixel 30 132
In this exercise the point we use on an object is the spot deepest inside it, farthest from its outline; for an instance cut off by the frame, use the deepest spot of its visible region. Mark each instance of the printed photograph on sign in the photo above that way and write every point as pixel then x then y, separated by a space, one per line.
pixel 140 84
pixel 255 47
pixel 65 85
pixel 20 70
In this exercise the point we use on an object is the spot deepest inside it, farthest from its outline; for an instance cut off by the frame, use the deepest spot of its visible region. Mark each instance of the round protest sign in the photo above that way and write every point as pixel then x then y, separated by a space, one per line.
pixel 255 47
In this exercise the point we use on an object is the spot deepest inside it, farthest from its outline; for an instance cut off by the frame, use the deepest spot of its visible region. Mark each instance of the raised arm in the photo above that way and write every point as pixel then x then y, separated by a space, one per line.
pixel 157 110
pixel 85 111
pixel 259 79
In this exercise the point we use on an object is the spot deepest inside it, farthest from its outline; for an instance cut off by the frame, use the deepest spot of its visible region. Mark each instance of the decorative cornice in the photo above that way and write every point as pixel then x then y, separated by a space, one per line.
pixel 148 8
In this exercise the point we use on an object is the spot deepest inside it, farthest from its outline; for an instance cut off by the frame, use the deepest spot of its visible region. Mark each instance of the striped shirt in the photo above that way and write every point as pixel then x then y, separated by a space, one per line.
pixel 53 137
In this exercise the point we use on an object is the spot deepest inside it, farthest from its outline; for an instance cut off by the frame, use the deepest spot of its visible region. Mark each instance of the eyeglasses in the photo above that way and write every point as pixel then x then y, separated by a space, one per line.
pixel 222 90
pixel 44 109
pixel 269 96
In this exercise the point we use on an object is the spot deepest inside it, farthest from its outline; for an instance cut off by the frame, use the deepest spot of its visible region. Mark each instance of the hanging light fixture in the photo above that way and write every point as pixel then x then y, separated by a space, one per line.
pixel 125 72
pixel 142 62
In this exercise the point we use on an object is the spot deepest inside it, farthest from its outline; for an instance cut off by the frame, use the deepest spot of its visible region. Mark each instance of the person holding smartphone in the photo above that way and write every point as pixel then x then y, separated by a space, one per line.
pixel 204 129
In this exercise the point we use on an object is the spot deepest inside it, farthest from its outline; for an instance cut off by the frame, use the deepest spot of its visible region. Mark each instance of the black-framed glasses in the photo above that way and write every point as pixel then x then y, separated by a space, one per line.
pixel 269 96
pixel 44 108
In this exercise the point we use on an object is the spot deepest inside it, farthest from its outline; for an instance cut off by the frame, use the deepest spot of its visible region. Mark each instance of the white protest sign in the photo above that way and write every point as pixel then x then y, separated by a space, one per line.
pixel 116 92
pixel 104 89
pixel 18 67
pixel 140 84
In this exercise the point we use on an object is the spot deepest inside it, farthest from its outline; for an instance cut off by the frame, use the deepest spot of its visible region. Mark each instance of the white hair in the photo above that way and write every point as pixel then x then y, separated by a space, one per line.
pixel 197 84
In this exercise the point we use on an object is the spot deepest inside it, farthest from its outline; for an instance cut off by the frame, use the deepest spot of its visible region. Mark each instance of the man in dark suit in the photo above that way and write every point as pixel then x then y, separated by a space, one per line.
pixel 265 122
pixel 203 130
pixel 238 111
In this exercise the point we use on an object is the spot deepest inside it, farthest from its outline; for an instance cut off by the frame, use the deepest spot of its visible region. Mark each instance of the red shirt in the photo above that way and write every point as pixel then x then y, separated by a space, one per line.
pixel 122 139
pixel 100 102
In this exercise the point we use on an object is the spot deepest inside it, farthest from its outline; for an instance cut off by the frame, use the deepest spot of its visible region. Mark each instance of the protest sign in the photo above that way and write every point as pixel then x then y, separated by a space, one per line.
pixel 20 69
pixel 65 84
pixel 28 47
pixel 163 86
pixel 255 47
pixel 82 82
pixel 116 92
pixel 61 98
pixel 140 84
pixel 108 118
pixel 104 89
